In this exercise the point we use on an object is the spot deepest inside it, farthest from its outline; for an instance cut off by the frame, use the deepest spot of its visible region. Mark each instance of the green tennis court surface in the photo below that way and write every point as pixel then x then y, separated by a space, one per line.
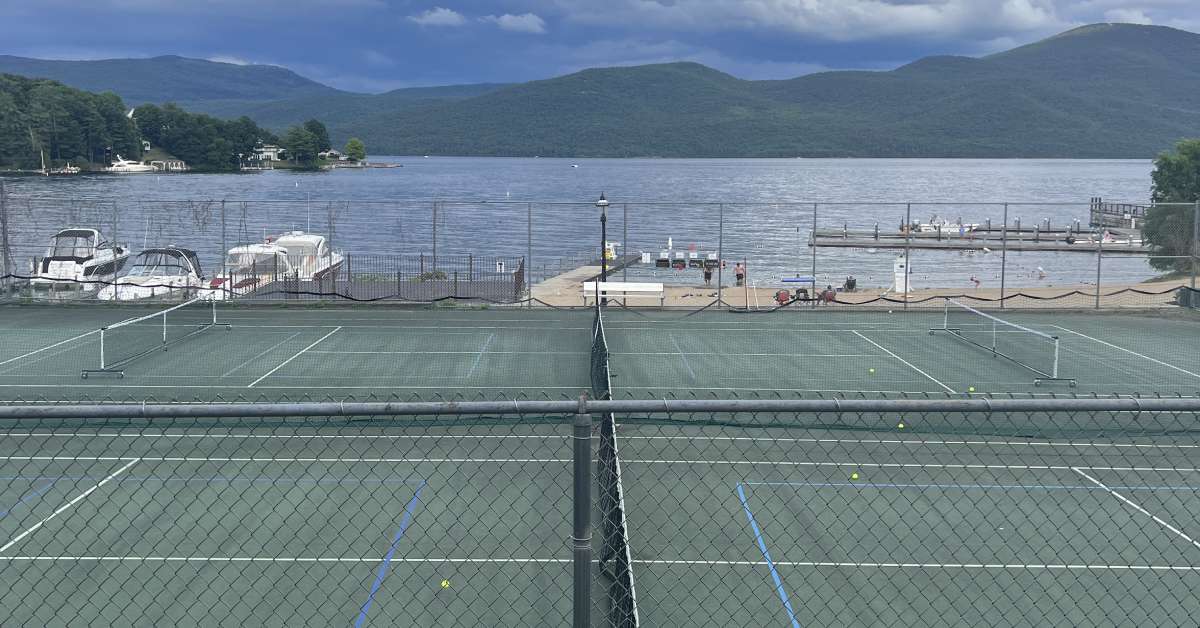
pixel 360 525
pixel 277 353
pixel 871 519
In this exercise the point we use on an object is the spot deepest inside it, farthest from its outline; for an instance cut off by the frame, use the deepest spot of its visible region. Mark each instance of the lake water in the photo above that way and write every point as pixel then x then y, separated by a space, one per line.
pixel 499 206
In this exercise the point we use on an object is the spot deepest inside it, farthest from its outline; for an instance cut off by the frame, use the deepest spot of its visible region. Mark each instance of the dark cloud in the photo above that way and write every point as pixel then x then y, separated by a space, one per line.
pixel 375 45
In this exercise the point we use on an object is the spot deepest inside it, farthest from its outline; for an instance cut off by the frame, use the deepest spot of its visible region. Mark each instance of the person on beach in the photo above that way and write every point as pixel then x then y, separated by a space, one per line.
pixel 975 280
pixel 708 275
pixel 739 271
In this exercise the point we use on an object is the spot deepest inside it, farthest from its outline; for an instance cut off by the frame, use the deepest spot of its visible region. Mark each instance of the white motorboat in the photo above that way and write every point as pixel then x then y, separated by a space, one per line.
pixel 168 271
pixel 78 258
pixel 936 224
pixel 293 255
pixel 127 166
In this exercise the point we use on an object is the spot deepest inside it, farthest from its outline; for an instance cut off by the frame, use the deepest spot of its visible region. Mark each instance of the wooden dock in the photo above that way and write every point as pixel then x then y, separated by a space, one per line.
pixel 981 241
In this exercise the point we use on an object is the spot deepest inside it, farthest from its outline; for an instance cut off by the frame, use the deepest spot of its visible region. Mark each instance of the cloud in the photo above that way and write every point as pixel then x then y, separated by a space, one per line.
pixel 439 16
pixel 1131 16
pixel 524 23
pixel 229 59
pixel 838 20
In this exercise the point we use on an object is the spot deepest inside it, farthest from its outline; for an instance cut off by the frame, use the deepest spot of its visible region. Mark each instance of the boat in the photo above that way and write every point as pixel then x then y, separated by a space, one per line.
pixel 67 169
pixel 127 166
pixel 945 226
pixel 294 255
pixel 78 258
pixel 168 271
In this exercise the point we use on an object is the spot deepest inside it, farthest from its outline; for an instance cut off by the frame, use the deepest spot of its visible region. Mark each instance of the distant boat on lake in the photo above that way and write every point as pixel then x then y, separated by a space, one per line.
pixel 127 166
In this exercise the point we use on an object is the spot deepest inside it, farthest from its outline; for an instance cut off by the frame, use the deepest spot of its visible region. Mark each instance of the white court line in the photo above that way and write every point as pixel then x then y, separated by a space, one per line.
pixel 479 354
pixel 448 352
pixel 613 353
pixel 1109 344
pixel 273 347
pixel 94 488
pixel 788 440
pixel 298 354
pixel 682 356
pixel 734 463
pixel 564 561
pixel 1138 508
pixel 881 348
pixel 48 347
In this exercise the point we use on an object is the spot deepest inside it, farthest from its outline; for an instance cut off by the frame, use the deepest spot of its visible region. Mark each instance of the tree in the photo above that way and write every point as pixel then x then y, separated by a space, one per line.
pixel 355 149
pixel 302 146
pixel 320 133
pixel 1169 228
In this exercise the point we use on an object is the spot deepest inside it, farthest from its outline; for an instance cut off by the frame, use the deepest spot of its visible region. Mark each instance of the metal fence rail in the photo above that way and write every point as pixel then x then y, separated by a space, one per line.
pixel 833 511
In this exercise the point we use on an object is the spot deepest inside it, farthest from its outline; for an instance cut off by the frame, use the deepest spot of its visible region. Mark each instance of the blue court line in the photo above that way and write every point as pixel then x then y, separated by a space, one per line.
pixel 28 496
pixel 479 355
pixel 387 559
pixel 967 487
pixel 762 546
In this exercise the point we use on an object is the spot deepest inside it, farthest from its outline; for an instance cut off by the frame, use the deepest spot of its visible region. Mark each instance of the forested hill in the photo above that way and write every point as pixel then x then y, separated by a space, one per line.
pixel 1105 90
pixel 170 79
pixel 45 118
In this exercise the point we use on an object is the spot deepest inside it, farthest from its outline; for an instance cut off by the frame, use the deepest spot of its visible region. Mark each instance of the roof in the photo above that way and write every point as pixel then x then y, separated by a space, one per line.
pixel 299 237
pixel 78 232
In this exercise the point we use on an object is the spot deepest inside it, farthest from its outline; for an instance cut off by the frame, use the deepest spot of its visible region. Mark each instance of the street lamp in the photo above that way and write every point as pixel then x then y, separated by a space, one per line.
pixel 603 205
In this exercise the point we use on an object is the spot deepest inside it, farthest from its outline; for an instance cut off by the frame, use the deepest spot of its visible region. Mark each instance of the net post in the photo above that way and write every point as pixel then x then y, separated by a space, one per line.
pixel 945 309
pixel 103 364
pixel 581 537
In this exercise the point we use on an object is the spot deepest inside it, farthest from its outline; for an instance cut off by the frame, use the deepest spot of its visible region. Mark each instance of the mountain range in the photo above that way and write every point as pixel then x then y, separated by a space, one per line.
pixel 1098 91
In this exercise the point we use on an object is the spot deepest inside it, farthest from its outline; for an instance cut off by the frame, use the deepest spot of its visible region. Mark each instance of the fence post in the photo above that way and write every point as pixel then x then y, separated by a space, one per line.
pixel 581 534
pixel 1099 256
pixel 625 241
pixel 720 253
pixel 1195 241
pixel 812 298
pixel 907 243
pixel 1003 255
pixel 529 253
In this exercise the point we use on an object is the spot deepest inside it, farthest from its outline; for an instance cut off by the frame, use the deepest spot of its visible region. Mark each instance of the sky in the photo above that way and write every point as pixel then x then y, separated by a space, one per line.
pixel 378 45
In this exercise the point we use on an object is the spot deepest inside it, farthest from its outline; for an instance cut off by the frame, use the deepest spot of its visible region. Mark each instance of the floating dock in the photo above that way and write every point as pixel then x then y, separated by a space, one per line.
pixel 983 240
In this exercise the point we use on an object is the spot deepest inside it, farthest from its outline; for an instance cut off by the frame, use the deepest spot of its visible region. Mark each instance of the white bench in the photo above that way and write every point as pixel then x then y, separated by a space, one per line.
pixel 612 289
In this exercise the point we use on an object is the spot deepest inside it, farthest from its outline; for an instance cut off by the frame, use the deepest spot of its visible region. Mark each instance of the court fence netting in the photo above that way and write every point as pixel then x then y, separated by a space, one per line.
pixel 1033 511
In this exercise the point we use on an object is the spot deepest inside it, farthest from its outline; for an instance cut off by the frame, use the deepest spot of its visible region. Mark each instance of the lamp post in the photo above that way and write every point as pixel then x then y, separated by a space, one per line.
pixel 603 205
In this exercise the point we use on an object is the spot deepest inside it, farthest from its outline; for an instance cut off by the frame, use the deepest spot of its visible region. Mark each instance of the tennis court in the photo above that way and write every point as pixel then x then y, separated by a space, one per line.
pixel 277 353
pixel 849 519
pixel 283 353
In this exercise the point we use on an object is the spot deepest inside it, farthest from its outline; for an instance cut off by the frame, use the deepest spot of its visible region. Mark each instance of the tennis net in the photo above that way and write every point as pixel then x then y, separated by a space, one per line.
pixel 128 340
pixel 615 560
pixel 1028 348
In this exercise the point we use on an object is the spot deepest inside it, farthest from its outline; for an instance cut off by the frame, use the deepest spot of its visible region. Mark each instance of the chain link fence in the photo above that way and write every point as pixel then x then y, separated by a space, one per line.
pixel 1022 255
pixel 835 512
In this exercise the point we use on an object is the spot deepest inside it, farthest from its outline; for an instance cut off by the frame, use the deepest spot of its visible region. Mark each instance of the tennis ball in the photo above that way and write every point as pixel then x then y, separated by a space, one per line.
pixel 853 476
pixel 870 370
pixel 900 426
pixel 445 584
pixel 970 389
